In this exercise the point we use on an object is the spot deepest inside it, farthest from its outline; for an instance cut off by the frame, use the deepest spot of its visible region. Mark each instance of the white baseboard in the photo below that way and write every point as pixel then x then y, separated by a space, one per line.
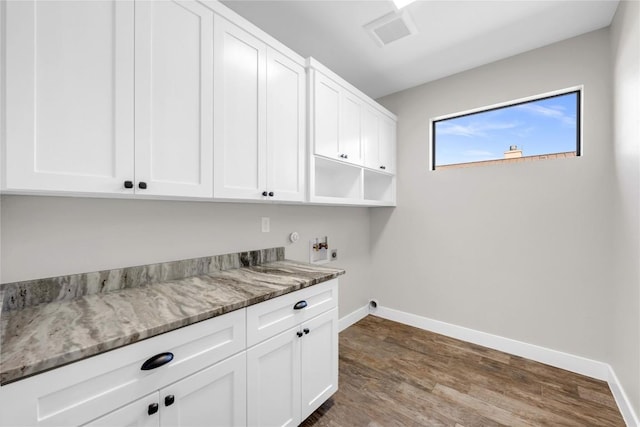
pixel 624 404
pixel 569 362
pixel 353 317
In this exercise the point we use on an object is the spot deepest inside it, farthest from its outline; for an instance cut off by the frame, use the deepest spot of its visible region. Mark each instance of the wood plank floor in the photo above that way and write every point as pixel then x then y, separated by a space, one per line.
pixel 396 375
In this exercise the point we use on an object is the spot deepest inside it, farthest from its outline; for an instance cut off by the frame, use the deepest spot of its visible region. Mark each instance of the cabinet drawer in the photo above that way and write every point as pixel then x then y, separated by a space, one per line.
pixel 271 317
pixel 80 392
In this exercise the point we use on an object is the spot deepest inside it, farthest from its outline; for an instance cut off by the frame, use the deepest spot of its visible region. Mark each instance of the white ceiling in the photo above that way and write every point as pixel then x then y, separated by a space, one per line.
pixel 453 35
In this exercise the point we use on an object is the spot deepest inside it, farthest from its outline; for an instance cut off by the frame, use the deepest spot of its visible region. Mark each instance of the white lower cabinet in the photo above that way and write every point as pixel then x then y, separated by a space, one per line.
pixel 211 378
pixel 215 396
pixel 273 371
pixel 135 414
pixel 319 361
pixel 293 373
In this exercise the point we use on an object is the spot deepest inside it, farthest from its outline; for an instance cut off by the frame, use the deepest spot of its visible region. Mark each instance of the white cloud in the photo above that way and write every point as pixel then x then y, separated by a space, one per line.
pixel 475 128
pixel 554 112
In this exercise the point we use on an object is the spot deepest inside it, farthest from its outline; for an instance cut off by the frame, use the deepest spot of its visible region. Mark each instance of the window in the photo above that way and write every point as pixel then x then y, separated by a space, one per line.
pixel 547 126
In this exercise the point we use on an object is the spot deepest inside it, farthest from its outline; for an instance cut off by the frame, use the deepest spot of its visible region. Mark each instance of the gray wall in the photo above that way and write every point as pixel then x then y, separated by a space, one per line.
pixel 52 236
pixel 625 43
pixel 518 250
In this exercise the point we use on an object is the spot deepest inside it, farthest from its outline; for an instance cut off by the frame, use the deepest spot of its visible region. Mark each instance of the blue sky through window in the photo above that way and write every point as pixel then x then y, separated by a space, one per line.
pixel 537 127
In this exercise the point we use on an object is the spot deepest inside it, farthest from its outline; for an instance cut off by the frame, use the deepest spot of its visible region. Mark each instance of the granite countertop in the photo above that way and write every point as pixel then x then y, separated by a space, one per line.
pixel 37 338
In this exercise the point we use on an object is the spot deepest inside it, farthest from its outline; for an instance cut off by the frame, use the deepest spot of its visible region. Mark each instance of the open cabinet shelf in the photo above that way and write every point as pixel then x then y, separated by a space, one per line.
pixel 340 183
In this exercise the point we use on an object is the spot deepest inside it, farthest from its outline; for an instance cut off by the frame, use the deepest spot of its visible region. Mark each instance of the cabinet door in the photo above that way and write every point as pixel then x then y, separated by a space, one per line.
pixel 69 95
pixel 135 414
pixel 240 109
pixel 387 144
pixel 174 98
pixel 370 138
pixel 326 116
pixel 349 140
pixel 216 396
pixel 319 354
pixel 273 374
pixel 286 116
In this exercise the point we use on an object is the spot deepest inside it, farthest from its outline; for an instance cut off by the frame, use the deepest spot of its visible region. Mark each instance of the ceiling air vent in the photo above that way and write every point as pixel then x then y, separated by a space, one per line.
pixel 391 27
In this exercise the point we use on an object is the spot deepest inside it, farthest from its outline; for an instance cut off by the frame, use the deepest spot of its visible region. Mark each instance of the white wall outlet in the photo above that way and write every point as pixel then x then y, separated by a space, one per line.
pixel 266 224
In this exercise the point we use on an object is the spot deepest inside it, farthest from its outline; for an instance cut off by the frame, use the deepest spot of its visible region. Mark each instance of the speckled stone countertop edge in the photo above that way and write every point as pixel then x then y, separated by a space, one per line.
pixel 58 360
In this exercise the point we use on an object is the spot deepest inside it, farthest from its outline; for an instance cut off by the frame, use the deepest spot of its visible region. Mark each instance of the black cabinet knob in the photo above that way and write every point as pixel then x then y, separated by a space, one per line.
pixel 270 193
pixel 142 185
pixel 157 361
pixel 153 408
pixel 299 334
pixel 265 194
pixel 128 184
pixel 168 400
pixel 306 331
pixel 346 156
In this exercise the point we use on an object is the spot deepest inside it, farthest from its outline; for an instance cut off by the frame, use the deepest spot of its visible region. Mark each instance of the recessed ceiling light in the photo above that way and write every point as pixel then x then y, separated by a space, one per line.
pixel 402 3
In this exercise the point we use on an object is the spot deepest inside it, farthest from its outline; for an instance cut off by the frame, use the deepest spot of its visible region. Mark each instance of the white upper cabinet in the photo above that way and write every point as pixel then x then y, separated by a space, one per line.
pixel 69 95
pixel 370 138
pixel 378 141
pixel 349 145
pixel 180 98
pixel 336 121
pixel 347 125
pixel 353 139
pixel 260 119
pixel 386 145
pixel 174 98
pixel 240 137
pixel 286 118
pixel 74 72
pixel 326 117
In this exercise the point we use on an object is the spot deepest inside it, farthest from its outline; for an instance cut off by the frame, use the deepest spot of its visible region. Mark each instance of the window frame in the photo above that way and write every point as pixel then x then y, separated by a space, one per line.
pixel 579 90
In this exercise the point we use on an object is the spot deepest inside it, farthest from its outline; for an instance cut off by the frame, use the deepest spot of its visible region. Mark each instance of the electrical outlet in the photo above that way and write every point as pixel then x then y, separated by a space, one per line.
pixel 265 224
pixel 334 254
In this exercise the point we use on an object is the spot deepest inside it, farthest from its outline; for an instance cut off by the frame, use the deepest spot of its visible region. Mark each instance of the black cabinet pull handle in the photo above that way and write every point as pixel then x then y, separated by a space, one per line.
pixel 157 361
pixel 168 400
pixel 128 184
pixel 300 305
pixel 264 193
pixel 383 167
pixel 306 331
pixel 142 185
pixel 270 193
pixel 153 408
pixel 299 334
